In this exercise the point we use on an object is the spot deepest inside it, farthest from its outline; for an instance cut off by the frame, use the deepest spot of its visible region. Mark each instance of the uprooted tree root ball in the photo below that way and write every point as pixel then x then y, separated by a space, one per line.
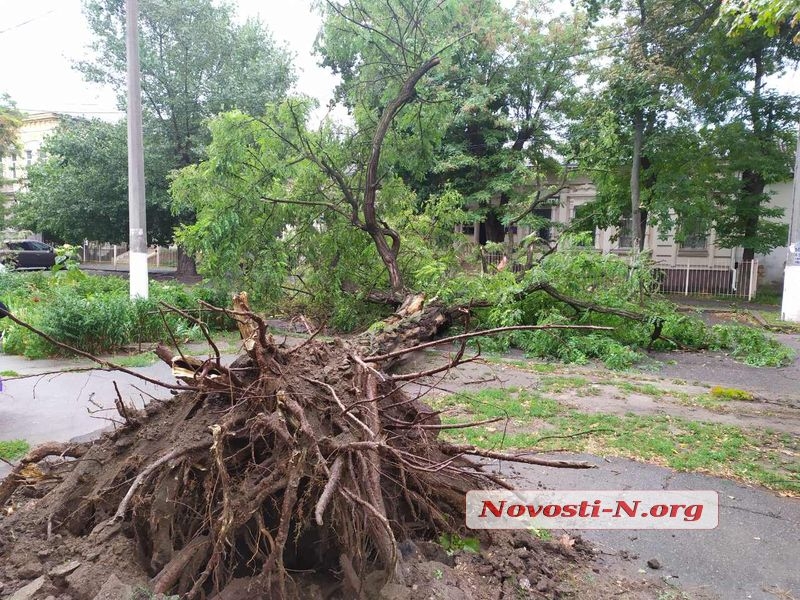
pixel 291 467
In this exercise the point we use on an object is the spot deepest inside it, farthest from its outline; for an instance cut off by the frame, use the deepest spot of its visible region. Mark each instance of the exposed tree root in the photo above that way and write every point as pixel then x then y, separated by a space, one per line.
pixel 308 458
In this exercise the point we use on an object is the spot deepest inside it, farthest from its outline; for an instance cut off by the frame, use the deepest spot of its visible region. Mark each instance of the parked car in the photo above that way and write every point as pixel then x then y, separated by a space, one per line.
pixel 27 254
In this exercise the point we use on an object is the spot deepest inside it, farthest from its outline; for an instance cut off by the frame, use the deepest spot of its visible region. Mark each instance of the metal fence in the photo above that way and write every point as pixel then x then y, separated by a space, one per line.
pixel 116 255
pixel 701 280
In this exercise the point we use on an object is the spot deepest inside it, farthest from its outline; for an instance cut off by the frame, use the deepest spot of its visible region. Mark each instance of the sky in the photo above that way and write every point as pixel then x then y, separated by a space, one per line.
pixel 41 39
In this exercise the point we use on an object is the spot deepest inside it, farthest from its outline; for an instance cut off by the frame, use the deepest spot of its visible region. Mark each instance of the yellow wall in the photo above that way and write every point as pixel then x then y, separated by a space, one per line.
pixel 35 129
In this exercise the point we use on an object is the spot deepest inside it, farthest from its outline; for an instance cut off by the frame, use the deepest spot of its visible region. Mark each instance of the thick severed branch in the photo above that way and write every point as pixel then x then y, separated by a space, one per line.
pixel 474 334
pixel 203 328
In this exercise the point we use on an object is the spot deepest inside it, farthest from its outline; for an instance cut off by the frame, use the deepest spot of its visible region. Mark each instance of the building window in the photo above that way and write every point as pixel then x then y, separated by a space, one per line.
pixel 695 238
pixel 28 157
pixel 468 228
pixel 13 166
pixel 625 233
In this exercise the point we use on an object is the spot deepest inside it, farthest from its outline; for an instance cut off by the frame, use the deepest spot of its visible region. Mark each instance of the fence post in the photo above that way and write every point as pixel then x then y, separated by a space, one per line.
pixel 751 291
pixel 158 256
pixel 115 257
pixel 84 250
pixel 686 291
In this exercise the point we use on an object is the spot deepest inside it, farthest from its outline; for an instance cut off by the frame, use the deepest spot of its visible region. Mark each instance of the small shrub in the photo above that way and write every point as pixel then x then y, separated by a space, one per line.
pixel 452 543
pixel 95 313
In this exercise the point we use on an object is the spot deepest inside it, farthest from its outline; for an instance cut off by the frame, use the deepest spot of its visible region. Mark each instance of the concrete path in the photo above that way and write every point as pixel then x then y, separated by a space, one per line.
pixel 65 406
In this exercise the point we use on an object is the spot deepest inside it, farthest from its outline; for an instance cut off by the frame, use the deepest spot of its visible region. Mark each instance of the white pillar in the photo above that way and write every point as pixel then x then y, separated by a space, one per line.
pixel 790 308
pixel 136 206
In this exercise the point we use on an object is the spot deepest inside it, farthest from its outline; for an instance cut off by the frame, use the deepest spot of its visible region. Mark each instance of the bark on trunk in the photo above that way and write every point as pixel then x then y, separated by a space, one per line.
pixel 636 213
pixel 186 265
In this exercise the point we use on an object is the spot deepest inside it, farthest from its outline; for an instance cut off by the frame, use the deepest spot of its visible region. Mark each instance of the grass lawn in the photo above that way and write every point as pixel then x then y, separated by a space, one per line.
pixel 753 455
pixel 12 449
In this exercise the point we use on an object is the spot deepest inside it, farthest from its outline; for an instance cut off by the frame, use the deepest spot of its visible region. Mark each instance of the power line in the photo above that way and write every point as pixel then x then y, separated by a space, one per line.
pixel 73 112
pixel 31 20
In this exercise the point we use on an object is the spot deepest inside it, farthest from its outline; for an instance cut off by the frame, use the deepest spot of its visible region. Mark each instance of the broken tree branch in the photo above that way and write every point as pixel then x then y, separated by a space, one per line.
pixel 474 334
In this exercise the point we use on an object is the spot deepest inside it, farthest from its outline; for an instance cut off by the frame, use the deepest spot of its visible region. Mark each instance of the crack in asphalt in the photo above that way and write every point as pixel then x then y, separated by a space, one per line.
pixel 771 515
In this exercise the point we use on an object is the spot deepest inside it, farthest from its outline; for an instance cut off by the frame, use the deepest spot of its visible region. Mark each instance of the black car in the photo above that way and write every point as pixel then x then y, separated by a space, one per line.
pixel 27 254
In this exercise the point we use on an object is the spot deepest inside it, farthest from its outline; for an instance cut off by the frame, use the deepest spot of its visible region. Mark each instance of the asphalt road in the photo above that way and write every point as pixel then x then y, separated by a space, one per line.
pixel 754 553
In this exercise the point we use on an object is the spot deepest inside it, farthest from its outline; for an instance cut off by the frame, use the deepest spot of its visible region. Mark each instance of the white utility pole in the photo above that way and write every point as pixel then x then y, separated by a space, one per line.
pixel 138 276
pixel 790 307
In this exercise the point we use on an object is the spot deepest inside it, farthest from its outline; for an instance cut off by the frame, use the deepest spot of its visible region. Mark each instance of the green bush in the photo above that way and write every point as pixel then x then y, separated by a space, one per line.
pixel 95 313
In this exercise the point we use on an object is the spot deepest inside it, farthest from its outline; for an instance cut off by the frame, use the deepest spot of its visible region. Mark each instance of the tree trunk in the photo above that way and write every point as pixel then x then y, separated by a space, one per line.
pixel 186 267
pixel 748 210
pixel 636 213
pixel 495 232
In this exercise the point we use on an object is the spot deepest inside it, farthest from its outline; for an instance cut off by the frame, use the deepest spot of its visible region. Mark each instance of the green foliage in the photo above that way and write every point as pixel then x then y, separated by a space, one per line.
pixel 769 15
pixel 80 191
pixel 10 122
pixel 453 543
pixel 608 281
pixel 94 313
pixel 751 346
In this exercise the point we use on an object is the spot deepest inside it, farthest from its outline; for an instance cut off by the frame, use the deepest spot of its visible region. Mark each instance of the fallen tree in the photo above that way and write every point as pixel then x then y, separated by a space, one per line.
pixel 308 458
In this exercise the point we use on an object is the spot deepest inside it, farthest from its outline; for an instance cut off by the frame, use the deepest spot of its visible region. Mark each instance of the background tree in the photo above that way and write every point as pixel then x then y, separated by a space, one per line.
pixel 633 97
pixel 512 88
pixel 752 128
pixel 196 61
pixel 10 122
pixel 80 191
pixel 713 136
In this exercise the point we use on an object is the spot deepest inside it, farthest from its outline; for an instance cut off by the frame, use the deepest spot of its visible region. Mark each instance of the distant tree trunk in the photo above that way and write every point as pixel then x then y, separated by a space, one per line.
pixel 748 209
pixel 636 211
pixel 186 267
pixel 495 232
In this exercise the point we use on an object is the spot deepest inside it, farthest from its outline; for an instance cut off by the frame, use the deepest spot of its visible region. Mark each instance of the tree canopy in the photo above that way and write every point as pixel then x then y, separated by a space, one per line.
pixel 195 61
pixel 10 121
pixel 80 191
pixel 686 134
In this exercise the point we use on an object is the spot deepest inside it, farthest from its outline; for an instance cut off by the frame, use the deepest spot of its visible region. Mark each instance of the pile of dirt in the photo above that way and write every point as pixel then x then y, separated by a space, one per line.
pixel 507 566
